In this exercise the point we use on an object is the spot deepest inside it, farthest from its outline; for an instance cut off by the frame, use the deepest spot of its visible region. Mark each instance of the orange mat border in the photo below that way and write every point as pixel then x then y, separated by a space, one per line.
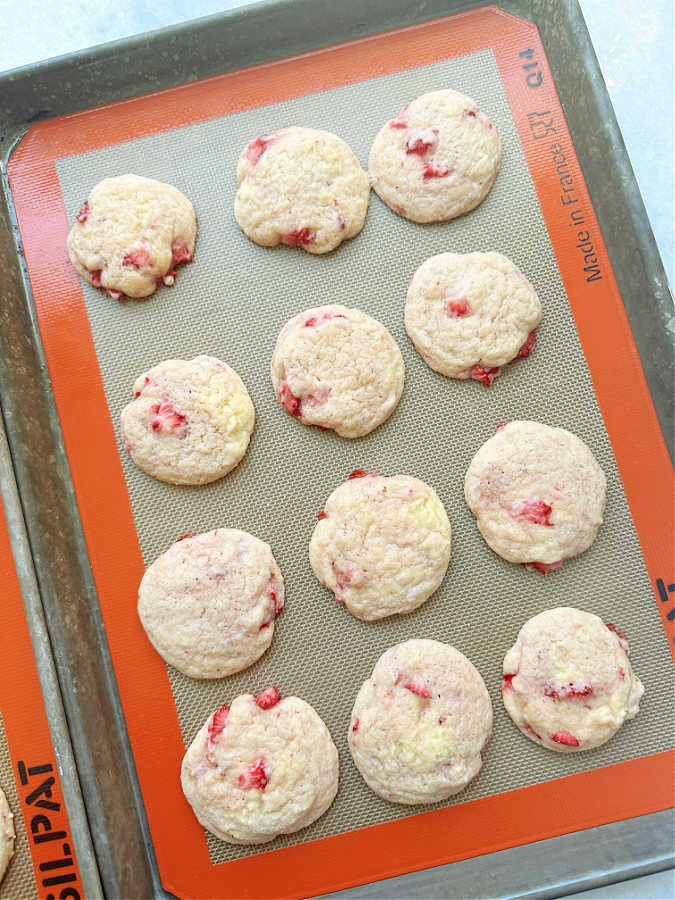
pixel 467 829
pixel 29 741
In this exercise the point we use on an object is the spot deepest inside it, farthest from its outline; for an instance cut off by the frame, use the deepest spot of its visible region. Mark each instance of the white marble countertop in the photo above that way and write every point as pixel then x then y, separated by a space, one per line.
pixel 634 44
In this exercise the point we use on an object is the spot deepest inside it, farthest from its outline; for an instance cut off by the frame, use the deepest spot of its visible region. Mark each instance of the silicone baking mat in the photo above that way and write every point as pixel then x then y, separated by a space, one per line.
pixel 44 863
pixel 584 375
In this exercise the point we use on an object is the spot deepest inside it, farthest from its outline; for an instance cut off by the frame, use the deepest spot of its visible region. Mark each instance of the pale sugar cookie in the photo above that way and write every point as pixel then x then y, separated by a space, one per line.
pixel 208 604
pixel 260 768
pixel 568 684
pixel 130 235
pixel 337 368
pixel 191 421
pixel 382 544
pixel 469 314
pixel 7 834
pixel 300 187
pixel 437 159
pixel 419 723
pixel 537 493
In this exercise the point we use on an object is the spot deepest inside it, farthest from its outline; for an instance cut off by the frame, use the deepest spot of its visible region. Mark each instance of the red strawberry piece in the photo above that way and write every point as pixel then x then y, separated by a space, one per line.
pixel 485 375
pixel 500 425
pixel 507 681
pixel 457 308
pixel 83 214
pixel 298 237
pixel 620 636
pixel 269 698
pixel 258 146
pixel 138 258
pixel 322 515
pixel 289 401
pixel 254 776
pixel 180 253
pixel 568 691
pixel 441 719
pixel 469 113
pixel 360 473
pixel 216 725
pixel 536 511
pixel 313 321
pixel 423 142
pixel 565 738
pixel 544 568
pixel 96 277
pixel 277 602
pixel 527 347
pixel 434 170
pixel 146 382
pixel 530 730
pixel 355 725
pixel 622 672
pixel 188 534
pixel 168 419
pixel 418 685
pixel 401 120
pixel 617 631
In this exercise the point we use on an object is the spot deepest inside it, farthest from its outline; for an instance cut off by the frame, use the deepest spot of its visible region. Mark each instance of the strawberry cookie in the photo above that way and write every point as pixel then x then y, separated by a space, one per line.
pixel 300 187
pixel 567 683
pixel 469 314
pixel 437 159
pixel 537 493
pixel 130 235
pixel 382 544
pixel 7 834
pixel 190 421
pixel 209 603
pixel 419 723
pixel 260 768
pixel 337 368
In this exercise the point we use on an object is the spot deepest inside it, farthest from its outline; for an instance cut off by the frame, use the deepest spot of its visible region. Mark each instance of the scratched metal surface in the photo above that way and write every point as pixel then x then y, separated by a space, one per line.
pixel 319 651
pixel 19 882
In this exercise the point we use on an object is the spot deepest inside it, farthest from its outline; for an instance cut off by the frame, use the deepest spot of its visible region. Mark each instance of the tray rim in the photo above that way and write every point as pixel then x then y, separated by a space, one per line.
pixel 10 508
pixel 287 5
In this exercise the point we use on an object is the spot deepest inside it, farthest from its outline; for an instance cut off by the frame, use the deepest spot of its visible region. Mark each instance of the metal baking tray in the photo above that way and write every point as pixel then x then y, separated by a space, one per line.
pixel 261 32
pixel 53 850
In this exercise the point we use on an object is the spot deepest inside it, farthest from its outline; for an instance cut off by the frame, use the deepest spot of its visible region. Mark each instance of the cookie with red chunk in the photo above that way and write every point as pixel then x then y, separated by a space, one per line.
pixel 209 603
pixel 537 493
pixel 262 767
pixel 337 368
pixel 419 723
pixel 190 421
pixel 7 834
pixel 469 314
pixel 383 544
pixel 437 159
pixel 568 683
pixel 131 234
pixel 300 187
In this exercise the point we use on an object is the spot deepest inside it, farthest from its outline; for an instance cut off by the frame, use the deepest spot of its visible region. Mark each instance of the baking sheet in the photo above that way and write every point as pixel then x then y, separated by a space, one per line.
pixel 19 880
pixel 232 302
